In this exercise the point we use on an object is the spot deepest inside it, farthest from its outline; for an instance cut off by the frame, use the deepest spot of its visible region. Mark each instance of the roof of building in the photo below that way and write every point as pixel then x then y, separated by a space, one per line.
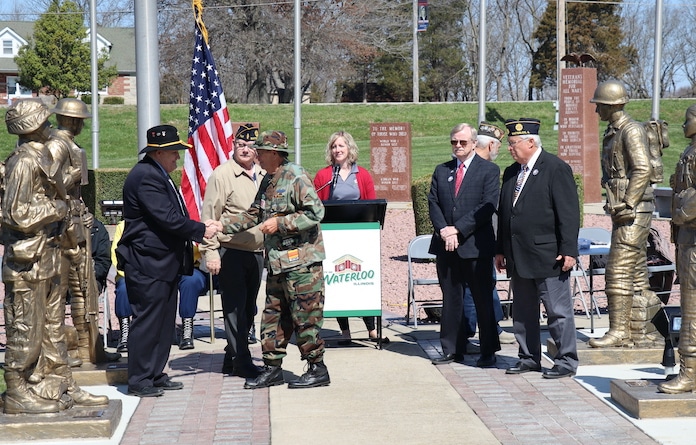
pixel 120 40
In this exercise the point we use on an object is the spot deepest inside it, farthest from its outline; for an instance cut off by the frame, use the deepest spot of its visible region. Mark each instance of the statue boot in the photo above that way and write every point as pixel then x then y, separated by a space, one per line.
pixel 685 381
pixel 18 399
pixel 79 396
pixel 619 333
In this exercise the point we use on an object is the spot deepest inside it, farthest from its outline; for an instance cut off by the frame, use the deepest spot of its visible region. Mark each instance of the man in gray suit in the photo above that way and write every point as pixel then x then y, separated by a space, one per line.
pixel 538 224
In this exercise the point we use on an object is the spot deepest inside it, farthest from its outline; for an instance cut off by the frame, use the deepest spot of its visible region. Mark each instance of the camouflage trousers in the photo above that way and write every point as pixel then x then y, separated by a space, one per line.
pixel 294 303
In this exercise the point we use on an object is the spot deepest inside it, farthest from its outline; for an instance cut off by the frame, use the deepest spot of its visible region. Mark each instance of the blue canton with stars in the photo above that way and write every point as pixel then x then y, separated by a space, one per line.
pixel 206 89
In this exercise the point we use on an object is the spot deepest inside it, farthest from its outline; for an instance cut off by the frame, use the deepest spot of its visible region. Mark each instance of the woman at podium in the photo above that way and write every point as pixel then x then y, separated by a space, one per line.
pixel 344 179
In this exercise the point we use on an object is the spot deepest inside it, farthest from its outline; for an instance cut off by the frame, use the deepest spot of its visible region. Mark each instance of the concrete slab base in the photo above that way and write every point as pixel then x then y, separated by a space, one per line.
pixel 103 374
pixel 611 356
pixel 76 423
pixel 642 400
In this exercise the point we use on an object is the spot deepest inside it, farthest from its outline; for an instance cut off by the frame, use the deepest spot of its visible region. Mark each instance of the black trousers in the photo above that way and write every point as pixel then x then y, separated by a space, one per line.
pixel 239 281
pixel 153 303
pixel 454 274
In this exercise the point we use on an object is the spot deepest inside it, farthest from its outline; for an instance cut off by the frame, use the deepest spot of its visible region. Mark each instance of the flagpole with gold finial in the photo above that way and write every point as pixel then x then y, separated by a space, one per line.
pixel 198 13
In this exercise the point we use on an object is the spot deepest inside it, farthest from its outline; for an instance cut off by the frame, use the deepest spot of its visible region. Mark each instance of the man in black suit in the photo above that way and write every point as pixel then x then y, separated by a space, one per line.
pixel 538 223
pixel 153 252
pixel 462 201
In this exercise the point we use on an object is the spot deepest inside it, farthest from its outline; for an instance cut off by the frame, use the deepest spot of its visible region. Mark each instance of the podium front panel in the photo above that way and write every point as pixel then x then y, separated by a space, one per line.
pixel 352 273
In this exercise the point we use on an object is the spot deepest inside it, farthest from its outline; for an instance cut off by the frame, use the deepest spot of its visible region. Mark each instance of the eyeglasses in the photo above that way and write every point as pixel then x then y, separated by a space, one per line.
pixel 454 143
pixel 513 143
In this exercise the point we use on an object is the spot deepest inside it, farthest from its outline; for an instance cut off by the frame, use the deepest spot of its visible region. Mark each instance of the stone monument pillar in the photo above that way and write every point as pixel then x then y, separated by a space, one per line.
pixel 578 129
pixel 390 160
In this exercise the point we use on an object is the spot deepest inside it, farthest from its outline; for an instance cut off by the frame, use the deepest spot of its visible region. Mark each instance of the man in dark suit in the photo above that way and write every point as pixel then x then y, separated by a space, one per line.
pixel 462 201
pixel 154 251
pixel 538 223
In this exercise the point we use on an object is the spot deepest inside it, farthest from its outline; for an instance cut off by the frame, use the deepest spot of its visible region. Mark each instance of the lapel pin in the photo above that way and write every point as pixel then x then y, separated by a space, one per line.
pixel 535 172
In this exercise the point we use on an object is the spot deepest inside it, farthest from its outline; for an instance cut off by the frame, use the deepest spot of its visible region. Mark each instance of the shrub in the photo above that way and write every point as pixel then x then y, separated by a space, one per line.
pixel 113 100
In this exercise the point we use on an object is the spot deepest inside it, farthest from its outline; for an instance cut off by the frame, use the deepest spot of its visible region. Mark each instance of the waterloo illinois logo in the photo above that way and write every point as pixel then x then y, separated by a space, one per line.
pixel 348 269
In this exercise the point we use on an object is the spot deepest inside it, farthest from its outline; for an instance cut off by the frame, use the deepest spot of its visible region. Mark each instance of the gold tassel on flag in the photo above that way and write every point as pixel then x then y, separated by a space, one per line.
pixel 198 13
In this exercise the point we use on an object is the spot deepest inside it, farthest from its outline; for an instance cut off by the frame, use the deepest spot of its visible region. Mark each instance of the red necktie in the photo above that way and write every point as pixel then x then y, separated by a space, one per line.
pixel 458 180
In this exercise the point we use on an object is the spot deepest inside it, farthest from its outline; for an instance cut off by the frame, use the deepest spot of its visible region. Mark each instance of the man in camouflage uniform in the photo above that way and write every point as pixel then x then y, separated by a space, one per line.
pixel 683 183
pixel 289 211
pixel 77 267
pixel 33 211
pixel 630 202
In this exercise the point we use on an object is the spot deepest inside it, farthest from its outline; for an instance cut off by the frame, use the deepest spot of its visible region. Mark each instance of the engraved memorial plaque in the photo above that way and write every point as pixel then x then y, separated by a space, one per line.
pixel 390 160
pixel 578 129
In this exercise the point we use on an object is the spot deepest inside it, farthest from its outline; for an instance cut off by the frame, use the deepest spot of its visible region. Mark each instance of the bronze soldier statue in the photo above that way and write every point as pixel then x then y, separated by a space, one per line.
pixel 77 267
pixel 626 174
pixel 683 184
pixel 33 219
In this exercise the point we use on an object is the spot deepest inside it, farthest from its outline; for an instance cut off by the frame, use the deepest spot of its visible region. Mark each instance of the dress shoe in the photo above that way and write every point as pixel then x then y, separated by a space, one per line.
pixel 486 361
pixel 446 359
pixel 148 391
pixel 317 375
pixel 170 385
pixel 506 338
pixel 472 349
pixel 521 368
pixel 558 372
pixel 270 376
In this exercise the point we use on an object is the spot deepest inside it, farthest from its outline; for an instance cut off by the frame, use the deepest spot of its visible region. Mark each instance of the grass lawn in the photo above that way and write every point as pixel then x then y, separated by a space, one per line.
pixel 430 126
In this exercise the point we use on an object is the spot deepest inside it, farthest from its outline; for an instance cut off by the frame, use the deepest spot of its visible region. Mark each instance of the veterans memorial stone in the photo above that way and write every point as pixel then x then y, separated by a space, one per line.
pixel 390 160
pixel 578 128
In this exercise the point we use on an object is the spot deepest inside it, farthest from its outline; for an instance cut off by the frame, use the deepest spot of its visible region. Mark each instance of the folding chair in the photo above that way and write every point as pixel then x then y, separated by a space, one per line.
pixel 418 253
pixel 596 235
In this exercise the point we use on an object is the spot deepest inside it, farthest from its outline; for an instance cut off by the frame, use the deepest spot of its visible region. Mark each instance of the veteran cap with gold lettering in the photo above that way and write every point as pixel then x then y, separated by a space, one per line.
pixel 490 130
pixel 522 126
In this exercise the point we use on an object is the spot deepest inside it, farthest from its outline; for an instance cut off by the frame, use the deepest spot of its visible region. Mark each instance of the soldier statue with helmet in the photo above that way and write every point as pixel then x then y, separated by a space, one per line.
pixel 626 177
pixel 34 211
pixel 683 183
pixel 77 267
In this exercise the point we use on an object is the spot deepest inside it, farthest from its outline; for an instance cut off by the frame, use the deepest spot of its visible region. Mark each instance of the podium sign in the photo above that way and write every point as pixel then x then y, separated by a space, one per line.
pixel 352 277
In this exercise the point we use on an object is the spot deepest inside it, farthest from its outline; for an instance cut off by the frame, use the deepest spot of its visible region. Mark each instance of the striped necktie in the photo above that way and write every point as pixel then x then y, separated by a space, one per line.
pixel 518 184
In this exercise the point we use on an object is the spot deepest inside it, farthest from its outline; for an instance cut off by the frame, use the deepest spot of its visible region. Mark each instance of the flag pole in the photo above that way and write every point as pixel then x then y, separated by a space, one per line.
pixel 212 308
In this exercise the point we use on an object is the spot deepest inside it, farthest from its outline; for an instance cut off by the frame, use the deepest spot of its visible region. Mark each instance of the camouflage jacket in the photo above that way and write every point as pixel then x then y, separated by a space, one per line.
pixel 289 196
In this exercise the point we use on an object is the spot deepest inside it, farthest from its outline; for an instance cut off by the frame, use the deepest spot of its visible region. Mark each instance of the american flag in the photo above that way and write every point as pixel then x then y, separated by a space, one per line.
pixel 210 129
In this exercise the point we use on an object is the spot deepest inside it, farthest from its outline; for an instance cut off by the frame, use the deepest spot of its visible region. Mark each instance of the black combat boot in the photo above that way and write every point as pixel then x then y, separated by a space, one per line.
pixel 123 340
pixel 270 376
pixel 316 375
pixel 186 334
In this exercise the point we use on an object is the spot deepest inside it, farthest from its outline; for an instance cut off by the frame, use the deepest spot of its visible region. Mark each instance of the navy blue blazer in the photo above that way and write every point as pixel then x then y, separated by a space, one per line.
pixel 471 212
pixel 157 233
pixel 545 221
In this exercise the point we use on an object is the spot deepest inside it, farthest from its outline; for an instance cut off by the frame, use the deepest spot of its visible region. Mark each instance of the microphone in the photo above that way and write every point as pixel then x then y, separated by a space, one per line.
pixel 336 170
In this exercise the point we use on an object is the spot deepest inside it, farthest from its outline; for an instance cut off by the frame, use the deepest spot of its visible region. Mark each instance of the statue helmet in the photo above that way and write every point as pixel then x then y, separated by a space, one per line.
pixel 610 92
pixel 26 116
pixel 71 107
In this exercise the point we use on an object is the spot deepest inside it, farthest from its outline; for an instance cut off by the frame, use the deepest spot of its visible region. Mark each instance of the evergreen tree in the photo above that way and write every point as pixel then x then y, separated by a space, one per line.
pixel 444 73
pixel 57 58
pixel 593 28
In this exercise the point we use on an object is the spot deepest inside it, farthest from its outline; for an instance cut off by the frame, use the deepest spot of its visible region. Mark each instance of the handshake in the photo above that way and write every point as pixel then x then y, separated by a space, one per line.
pixel 212 228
